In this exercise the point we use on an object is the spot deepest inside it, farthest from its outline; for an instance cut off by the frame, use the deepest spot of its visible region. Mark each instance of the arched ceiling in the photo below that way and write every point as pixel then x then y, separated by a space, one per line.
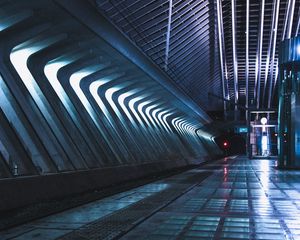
pixel 190 40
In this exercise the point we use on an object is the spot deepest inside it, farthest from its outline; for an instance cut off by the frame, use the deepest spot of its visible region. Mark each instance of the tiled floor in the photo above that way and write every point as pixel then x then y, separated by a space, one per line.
pixel 241 199
pixel 57 225
pixel 245 199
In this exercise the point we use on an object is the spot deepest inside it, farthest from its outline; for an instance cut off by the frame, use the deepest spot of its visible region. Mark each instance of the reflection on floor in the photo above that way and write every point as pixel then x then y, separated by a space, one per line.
pixel 245 199
pixel 240 199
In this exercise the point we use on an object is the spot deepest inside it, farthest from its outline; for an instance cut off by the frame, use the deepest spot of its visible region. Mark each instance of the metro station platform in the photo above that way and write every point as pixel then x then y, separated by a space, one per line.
pixel 233 198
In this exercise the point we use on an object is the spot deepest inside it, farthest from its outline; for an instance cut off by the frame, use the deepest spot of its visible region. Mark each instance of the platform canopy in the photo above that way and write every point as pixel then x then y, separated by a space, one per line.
pixel 228 48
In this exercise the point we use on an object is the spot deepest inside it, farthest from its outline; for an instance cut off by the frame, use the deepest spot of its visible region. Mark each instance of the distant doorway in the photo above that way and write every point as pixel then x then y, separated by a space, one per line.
pixel 262 134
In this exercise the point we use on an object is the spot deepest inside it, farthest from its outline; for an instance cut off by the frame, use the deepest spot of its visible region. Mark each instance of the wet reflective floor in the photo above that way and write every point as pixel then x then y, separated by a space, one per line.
pixel 244 199
pixel 238 199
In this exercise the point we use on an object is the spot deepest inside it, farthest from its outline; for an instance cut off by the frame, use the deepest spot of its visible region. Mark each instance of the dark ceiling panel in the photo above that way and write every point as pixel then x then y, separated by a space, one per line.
pixel 193 61
pixel 194 54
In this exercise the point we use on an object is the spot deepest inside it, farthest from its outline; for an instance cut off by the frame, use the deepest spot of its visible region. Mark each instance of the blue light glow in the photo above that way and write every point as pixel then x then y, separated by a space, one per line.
pixel 298 49
pixel 264 144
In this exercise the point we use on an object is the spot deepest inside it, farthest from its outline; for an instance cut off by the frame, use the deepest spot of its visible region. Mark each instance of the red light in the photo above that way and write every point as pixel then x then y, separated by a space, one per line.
pixel 225 144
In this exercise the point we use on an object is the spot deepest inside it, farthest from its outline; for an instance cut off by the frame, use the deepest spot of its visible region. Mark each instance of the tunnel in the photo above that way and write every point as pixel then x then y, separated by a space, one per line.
pixel 161 119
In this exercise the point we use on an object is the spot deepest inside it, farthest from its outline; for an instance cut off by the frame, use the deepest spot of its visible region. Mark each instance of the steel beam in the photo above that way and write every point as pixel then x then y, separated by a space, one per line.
pixel 235 64
pixel 274 30
pixel 168 34
pixel 221 52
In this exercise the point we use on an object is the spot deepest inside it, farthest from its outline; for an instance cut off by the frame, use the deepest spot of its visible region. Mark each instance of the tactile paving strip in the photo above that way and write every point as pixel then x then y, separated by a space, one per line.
pixel 120 222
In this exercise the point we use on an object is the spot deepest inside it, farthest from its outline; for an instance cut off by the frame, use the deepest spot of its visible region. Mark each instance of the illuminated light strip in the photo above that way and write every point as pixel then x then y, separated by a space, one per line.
pixel 51 69
pixel 150 129
pixel 173 122
pixel 8 22
pixel 154 113
pixel 142 103
pixel 168 35
pixel 75 81
pixel 163 116
pixel 147 111
pixel 159 115
pixel 160 123
pixel 270 49
pixel 94 87
pixel 140 109
pixel 273 53
pixel 180 124
pixel 159 126
pixel 276 77
pixel 259 54
pixel 19 57
pixel 291 18
pixel 298 24
pixel 183 125
pixel 220 36
pixel 155 126
pixel 121 100
pixel 176 122
pixel 247 54
pixel 188 127
pixel 131 104
pixel 205 134
pixel 165 119
pixel 109 96
pixel 286 18
pixel 235 64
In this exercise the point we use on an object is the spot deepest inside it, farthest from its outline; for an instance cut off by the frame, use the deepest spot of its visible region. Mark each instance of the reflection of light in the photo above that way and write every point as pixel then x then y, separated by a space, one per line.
pixel 162 121
pixel 179 125
pixel 175 124
pixel 225 169
pixel 298 49
pixel 264 165
pixel 75 81
pixel 264 143
pixel 9 21
pixel 155 117
pixel 140 109
pixel 109 96
pixel 94 87
pixel 264 176
pixel 147 111
pixel 131 104
pixel 204 134
pixel 50 71
pixel 121 100
pixel 165 119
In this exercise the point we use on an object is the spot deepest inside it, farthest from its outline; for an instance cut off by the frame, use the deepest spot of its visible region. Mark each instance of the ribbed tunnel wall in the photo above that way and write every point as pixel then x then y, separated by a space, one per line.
pixel 76 113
